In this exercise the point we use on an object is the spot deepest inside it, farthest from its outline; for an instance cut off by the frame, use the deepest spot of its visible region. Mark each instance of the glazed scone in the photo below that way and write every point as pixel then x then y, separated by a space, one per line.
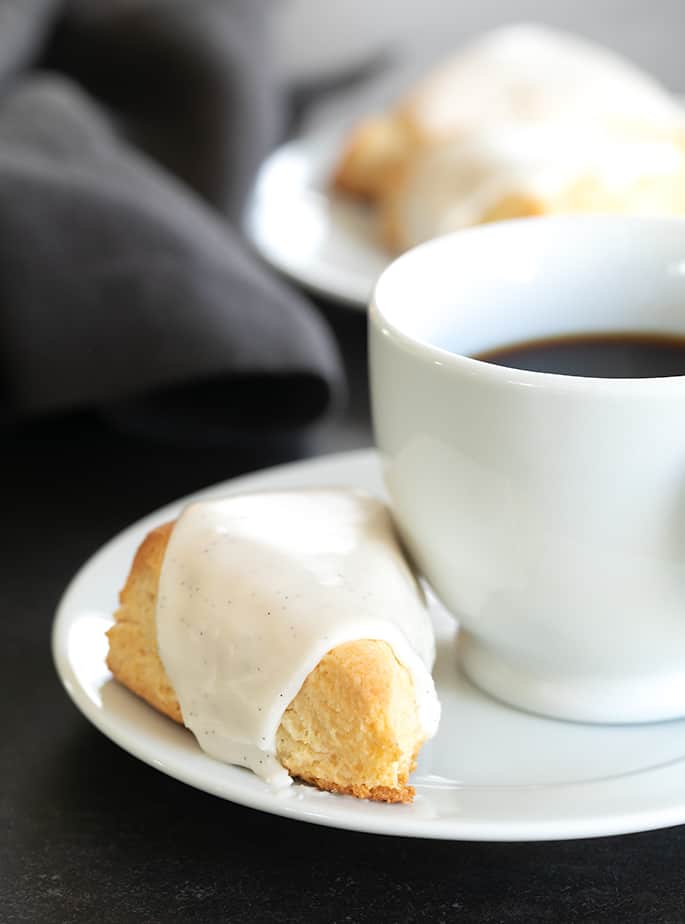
pixel 354 722
pixel 525 121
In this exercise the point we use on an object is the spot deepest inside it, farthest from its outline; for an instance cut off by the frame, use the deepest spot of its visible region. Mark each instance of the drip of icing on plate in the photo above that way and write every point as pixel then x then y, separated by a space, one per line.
pixel 256 589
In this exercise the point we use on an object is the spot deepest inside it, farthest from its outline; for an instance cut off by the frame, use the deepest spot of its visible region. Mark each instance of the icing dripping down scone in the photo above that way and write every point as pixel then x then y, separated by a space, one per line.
pixel 524 121
pixel 288 632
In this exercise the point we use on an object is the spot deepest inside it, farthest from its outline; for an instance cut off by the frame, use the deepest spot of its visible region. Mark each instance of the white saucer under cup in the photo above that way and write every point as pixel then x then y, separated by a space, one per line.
pixel 546 510
pixel 490 773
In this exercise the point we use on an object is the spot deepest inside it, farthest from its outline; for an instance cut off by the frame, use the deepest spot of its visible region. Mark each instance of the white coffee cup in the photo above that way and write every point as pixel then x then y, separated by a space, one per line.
pixel 547 511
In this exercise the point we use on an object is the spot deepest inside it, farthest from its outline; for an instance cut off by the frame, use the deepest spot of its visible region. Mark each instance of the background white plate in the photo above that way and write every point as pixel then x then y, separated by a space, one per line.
pixel 322 241
pixel 325 242
pixel 492 773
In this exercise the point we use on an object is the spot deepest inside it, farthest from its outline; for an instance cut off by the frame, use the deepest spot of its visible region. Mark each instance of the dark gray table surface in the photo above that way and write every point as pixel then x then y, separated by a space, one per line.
pixel 90 834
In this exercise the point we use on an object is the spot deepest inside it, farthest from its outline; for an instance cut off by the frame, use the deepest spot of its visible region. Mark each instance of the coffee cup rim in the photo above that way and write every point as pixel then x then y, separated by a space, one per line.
pixel 507 375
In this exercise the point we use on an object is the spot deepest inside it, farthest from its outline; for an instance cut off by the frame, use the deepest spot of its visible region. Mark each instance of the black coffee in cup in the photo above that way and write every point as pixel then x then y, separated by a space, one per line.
pixel 615 355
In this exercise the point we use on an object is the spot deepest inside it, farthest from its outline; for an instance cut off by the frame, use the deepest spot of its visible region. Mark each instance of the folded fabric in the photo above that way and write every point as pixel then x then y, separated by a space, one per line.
pixel 129 134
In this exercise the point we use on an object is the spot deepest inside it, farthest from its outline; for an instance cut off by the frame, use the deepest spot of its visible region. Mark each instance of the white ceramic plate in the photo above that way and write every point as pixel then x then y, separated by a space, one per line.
pixel 325 242
pixel 492 773
pixel 320 240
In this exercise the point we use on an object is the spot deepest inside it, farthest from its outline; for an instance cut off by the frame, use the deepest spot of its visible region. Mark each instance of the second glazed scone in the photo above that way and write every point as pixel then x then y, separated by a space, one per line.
pixel 524 121
pixel 353 727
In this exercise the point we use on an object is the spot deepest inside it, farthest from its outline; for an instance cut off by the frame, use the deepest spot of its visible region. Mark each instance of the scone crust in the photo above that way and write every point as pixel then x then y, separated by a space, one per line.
pixel 133 657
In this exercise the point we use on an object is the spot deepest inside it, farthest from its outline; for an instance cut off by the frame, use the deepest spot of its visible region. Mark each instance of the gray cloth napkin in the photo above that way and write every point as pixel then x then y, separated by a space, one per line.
pixel 129 134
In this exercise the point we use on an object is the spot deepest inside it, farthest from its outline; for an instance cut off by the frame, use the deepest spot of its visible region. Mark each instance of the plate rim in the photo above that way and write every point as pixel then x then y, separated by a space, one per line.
pixel 242 788
pixel 334 286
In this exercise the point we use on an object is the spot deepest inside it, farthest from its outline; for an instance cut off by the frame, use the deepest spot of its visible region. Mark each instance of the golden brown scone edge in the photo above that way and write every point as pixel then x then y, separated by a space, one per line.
pixel 133 656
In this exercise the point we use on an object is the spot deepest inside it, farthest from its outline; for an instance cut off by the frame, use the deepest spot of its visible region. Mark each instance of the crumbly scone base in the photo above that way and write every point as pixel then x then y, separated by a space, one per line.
pixel 402 796
pixel 353 727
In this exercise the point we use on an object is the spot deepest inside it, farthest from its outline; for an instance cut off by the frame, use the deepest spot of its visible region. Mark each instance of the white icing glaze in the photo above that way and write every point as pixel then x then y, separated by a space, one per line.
pixel 529 111
pixel 256 589
pixel 532 73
